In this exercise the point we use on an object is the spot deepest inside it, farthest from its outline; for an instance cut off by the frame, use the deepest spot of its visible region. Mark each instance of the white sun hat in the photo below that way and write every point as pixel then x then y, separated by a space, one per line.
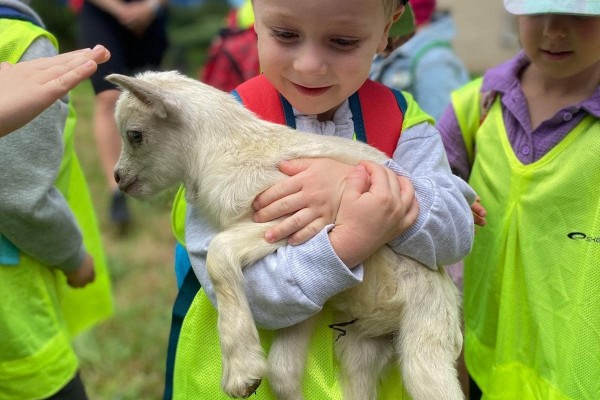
pixel 577 7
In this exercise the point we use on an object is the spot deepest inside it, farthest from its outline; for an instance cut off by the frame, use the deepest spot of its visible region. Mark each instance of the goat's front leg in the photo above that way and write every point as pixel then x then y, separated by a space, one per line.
pixel 243 360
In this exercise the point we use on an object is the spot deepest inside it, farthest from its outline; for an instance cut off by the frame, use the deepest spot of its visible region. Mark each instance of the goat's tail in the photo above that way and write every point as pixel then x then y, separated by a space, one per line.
pixel 430 338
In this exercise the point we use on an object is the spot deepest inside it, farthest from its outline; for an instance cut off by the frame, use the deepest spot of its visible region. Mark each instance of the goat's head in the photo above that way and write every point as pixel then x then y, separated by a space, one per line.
pixel 148 116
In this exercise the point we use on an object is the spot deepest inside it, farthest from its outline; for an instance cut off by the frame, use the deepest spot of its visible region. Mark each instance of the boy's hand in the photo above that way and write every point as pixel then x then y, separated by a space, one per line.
pixel 83 275
pixel 310 197
pixel 479 212
pixel 371 215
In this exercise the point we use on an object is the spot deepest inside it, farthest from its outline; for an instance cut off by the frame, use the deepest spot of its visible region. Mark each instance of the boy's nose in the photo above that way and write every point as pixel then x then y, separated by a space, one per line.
pixel 310 60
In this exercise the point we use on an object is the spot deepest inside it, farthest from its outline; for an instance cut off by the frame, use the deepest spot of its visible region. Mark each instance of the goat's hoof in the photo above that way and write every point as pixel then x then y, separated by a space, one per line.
pixel 250 389
pixel 244 391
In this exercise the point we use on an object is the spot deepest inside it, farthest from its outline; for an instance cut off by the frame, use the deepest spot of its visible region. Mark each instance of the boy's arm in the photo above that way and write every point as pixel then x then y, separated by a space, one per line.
pixel 34 215
pixel 285 287
pixel 443 232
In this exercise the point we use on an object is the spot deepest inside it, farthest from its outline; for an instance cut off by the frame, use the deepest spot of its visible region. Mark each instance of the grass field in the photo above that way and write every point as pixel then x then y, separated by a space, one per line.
pixel 124 357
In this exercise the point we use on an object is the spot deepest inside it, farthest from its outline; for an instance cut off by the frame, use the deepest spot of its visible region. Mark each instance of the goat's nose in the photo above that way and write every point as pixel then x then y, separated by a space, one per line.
pixel 117 177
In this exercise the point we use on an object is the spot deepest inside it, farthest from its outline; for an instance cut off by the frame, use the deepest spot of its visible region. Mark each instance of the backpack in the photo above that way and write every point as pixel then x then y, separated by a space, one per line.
pixel 377 110
pixel 232 56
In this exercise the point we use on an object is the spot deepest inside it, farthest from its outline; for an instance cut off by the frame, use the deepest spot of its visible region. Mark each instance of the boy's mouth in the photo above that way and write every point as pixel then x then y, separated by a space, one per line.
pixel 311 91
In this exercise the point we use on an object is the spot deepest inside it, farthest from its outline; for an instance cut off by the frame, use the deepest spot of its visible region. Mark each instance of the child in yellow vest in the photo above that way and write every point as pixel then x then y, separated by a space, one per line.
pixel 527 136
pixel 317 54
pixel 53 277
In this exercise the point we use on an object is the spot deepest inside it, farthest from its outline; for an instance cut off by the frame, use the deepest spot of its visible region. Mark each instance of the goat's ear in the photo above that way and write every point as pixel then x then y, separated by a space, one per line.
pixel 147 93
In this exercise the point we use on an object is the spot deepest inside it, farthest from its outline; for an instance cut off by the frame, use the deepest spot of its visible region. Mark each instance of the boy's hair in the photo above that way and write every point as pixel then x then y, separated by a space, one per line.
pixel 390 6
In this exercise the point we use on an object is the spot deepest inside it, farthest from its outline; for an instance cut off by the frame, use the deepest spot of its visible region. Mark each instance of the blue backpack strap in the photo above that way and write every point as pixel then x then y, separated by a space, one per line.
pixel 185 297
pixel 11 13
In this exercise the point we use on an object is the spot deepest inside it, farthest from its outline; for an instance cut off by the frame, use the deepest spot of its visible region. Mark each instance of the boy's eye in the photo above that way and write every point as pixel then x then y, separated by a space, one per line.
pixel 345 44
pixel 135 136
pixel 283 35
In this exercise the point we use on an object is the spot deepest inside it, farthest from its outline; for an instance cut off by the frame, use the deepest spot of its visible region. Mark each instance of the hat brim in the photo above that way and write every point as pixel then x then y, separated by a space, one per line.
pixel 534 7
pixel 405 24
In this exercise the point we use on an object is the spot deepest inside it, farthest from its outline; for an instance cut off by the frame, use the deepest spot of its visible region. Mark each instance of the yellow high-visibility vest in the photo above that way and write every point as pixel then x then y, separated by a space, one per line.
pixel 532 281
pixel 39 312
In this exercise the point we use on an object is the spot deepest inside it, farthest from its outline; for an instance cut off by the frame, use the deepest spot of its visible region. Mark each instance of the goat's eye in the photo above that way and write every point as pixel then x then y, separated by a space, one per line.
pixel 134 136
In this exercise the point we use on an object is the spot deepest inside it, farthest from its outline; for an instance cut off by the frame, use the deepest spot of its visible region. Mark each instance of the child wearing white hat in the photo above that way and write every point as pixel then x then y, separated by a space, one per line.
pixel 526 135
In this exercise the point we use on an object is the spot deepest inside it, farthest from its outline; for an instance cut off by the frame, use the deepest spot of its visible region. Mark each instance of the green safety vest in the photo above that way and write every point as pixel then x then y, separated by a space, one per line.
pixel 532 281
pixel 197 370
pixel 39 312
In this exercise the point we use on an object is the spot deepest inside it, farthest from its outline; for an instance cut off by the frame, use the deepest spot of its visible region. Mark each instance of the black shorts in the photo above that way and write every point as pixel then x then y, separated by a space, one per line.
pixel 130 54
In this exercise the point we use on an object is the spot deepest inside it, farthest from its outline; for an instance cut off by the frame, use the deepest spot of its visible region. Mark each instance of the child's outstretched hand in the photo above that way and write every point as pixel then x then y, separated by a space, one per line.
pixel 479 212
pixel 83 275
pixel 372 212
pixel 30 87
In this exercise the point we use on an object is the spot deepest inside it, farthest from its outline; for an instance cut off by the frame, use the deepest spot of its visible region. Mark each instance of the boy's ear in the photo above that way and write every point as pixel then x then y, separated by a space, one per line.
pixel 383 43
pixel 147 93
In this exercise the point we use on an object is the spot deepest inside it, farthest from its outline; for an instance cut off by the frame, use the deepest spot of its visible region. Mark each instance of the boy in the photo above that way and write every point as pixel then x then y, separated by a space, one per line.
pixel 317 54
pixel 53 276
pixel 526 136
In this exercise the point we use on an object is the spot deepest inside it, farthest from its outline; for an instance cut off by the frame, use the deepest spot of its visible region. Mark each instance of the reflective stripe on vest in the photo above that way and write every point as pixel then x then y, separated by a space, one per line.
pixel 40 312
pixel 532 281
pixel 197 369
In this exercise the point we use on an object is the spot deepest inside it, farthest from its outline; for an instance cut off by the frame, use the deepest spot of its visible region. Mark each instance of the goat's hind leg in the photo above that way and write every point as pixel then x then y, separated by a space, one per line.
pixel 430 338
pixel 362 360
pixel 287 359
pixel 242 357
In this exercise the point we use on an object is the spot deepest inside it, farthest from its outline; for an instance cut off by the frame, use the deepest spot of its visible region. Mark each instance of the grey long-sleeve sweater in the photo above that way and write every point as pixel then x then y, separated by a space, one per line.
pixel 34 215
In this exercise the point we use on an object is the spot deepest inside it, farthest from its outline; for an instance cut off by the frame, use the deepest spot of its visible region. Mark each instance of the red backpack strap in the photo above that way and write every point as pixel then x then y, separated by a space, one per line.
pixel 261 97
pixel 377 110
pixel 378 113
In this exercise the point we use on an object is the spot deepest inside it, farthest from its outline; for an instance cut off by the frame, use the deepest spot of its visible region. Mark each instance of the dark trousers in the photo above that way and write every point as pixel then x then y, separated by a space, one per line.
pixel 73 390
pixel 474 391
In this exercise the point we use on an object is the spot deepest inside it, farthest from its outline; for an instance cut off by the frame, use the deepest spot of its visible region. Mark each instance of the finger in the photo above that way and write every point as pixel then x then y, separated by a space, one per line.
pixel 409 200
pixel 380 181
pixel 308 232
pixel 289 225
pixel 279 208
pixel 357 182
pixel 61 85
pixel 295 166
pixel 478 209
pixel 99 54
pixel 281 189
pixel 479 220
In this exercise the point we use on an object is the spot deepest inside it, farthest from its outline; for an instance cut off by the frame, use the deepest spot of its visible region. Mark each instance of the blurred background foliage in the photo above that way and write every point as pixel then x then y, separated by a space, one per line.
pixel 124 357
pixel 192 25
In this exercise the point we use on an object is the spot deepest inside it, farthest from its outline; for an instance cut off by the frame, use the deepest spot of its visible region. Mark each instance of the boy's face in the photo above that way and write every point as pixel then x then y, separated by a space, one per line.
pixel 561 46
pixel 319 52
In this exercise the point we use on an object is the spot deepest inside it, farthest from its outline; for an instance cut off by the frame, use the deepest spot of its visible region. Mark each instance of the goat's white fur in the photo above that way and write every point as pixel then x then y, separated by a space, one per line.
pixel 224 156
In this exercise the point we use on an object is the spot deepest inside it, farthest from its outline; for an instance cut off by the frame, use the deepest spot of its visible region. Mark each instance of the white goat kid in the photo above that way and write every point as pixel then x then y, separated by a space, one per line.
pixel 176 130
